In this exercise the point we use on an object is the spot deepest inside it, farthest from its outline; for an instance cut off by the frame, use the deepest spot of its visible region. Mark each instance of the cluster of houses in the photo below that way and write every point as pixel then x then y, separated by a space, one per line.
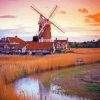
pixel 16 45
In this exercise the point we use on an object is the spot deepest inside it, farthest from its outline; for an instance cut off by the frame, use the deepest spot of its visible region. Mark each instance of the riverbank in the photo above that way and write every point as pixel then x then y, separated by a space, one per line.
pixel 81 81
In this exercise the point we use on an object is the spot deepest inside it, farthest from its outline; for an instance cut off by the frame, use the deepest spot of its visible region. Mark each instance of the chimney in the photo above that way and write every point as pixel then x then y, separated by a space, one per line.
pixel 16 36
pixel 56 39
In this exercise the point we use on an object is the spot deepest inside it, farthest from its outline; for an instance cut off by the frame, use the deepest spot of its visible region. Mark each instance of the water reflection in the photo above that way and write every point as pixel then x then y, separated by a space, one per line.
pixel 57 93
pixel 27 87
pixel 34 89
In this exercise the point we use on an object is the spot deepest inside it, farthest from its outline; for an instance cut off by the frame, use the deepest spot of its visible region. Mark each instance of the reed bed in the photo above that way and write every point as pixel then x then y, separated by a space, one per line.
pixel 13 67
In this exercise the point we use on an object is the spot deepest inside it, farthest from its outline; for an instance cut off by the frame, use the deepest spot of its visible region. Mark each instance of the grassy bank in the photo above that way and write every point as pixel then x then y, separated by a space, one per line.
pixel 71 80
pixel 68 73
pixel 93 87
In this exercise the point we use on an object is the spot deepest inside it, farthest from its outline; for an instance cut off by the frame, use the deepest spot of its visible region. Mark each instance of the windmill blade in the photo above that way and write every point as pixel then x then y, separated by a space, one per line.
pixel 42 29
pixel 57 27
pixel 53 12
pixel 37 11
pixel 47 18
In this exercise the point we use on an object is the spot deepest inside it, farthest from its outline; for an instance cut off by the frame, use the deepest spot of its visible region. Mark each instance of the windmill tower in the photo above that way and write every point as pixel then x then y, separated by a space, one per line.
pixel 44 29
pixel 44 32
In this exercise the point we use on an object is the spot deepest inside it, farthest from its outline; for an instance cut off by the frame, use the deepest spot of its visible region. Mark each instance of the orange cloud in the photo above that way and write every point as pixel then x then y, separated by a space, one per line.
pixel 83 10
pixel 7 16
pixel 87 20
pixel 94 17
pixel 63 12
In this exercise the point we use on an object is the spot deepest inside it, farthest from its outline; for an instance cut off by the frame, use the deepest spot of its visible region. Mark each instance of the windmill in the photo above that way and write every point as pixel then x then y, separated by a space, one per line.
pixel 45 25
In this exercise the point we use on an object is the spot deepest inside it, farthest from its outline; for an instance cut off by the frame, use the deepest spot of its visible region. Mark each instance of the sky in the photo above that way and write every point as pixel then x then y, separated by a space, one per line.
pixel 79 19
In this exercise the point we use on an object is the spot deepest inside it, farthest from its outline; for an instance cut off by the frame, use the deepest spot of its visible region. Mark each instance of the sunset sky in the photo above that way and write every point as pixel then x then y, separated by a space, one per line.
pixel 80 19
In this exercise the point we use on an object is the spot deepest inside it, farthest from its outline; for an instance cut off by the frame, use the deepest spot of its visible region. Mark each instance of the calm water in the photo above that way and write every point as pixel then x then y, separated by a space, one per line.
pixel 35 90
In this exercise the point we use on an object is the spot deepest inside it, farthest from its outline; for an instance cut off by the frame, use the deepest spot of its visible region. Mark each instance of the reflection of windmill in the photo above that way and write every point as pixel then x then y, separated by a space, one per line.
pixel 45 25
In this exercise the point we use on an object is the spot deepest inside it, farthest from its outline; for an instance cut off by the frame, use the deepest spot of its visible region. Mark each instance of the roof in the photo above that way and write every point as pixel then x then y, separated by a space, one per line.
pixel 39 45
pixel 15 39
pixel 30 46
pixel 20 46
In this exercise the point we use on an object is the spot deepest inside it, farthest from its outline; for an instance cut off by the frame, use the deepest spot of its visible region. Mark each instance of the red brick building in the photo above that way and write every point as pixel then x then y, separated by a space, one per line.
pixel 17 45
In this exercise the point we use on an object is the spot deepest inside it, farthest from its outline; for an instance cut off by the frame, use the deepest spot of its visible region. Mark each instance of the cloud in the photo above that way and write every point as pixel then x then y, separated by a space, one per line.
pixel 93 18
pixel 94 24
pixel 88 20
pixel 20 31
pixel 10 0
pixel 83 10
pixel 63 12
pixel 78 29
pixel 7 16
pixel 70 32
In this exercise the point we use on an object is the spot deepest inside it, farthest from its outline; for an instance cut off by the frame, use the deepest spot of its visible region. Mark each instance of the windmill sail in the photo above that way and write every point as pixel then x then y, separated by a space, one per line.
pixel 45 24
pixel 51 14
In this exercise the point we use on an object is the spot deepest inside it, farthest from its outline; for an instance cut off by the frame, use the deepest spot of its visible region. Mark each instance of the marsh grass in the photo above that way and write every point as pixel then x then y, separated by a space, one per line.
pixel 13 67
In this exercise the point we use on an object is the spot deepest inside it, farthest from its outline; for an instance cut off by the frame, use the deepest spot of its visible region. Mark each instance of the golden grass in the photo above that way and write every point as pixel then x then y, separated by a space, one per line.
pixel 13 67
pixel 86 50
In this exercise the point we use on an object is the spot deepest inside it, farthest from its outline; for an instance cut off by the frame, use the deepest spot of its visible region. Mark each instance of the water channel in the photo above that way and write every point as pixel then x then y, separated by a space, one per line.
pixel 33 88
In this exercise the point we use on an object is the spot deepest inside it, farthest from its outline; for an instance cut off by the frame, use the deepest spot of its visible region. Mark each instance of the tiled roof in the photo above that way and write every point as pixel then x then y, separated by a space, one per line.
pixel 39 45
pixel 15 39
pixel 30 46
pixel 20 46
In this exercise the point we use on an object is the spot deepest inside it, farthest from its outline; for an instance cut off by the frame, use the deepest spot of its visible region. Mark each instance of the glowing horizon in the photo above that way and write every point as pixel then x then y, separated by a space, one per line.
pixel 76 17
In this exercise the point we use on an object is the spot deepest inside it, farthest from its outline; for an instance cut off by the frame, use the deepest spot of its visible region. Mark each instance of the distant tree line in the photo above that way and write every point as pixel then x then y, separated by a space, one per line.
pixel 88 44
